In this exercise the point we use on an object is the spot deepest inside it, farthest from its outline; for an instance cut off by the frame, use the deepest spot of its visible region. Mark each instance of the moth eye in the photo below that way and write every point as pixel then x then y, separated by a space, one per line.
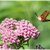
pixel 39 18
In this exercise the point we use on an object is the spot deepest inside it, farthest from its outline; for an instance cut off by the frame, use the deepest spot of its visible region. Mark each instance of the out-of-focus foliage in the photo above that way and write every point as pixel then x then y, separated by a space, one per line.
pixel 29 11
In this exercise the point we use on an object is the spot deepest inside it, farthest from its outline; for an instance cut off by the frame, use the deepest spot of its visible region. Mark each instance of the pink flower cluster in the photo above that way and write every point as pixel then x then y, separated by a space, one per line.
pixel 5 46
pixel 12 29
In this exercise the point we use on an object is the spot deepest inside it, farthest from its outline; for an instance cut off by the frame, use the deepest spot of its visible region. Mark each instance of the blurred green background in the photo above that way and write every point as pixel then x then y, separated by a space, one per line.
pixel 28 10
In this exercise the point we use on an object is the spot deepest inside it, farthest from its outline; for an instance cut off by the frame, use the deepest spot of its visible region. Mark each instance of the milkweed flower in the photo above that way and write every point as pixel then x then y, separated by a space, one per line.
pixel 5 46
pixel 27 30
pixel 9 23
pixel 12 31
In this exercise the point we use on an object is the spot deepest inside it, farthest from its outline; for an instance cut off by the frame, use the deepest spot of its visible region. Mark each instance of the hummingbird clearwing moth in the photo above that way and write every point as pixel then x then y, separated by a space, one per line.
pixel 43 16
